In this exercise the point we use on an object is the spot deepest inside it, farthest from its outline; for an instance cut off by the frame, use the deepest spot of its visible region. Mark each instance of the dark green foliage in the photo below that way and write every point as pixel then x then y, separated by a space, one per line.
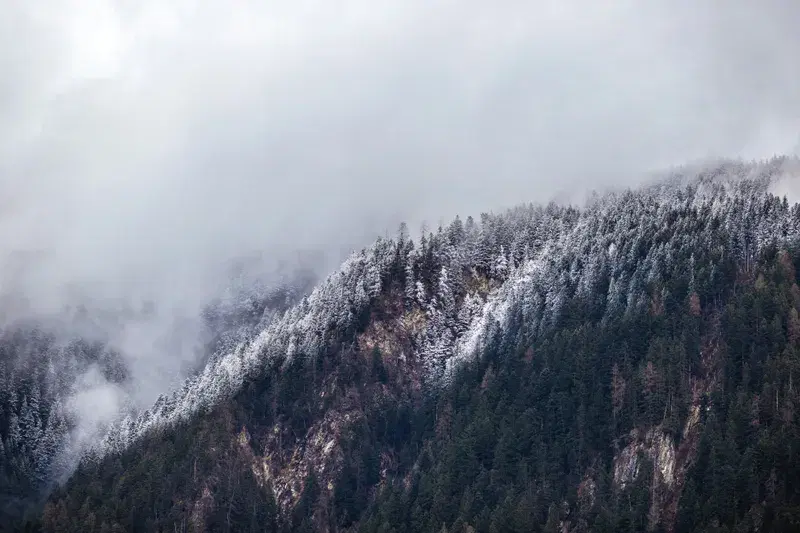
pixel 32 423
pixel 359 474
pixel 524 439
pixel 163 483
pixel 747 469
pixel 378 368
pixel 522 432
pixel 507 445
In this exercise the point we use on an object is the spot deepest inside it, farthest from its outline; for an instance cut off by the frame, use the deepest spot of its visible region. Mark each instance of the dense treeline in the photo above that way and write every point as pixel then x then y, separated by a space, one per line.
pixel 43 364
pixel 36 373
pixel 624 367
pixel 523 440
pixel 527 439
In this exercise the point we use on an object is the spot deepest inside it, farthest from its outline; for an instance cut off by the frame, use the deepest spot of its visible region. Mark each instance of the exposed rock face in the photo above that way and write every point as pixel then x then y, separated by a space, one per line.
pixel 587 491
pixel 404 338
pixel 286 468
pixel 670 461
pixel 658 448
pixel 200 510
pixel 285 461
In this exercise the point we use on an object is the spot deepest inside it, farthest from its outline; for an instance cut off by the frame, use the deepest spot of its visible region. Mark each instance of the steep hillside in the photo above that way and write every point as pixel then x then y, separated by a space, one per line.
pixel 622 366
pixel 38 373
pixel 50 367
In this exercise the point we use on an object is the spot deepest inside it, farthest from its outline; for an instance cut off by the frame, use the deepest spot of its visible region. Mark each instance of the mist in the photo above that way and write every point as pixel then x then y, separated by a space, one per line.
pixel 145 146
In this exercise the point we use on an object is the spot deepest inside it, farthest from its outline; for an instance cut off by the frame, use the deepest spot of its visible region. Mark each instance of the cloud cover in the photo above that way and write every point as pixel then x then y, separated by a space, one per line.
pixel 144 144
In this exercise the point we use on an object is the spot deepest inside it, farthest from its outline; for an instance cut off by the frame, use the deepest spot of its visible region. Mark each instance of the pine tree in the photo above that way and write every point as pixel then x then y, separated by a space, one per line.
pixel 410 281
pixel 465 314
pixel 372 280
pixel 500 265
pixel 420 295
pixel 447 304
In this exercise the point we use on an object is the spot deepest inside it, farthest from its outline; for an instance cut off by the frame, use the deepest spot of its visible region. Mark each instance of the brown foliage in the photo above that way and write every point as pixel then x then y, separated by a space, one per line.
pixel 656 305
pixel 694 304
pixel 786 265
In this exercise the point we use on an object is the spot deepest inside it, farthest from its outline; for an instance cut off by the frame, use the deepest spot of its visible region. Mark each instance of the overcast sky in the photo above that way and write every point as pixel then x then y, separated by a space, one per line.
pixel 145 142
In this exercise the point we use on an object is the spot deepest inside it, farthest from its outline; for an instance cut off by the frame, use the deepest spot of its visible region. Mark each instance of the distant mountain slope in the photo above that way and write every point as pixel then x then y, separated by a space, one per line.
pixel 38 371
pixel 47 365
pixel 537 257
pixel 548 368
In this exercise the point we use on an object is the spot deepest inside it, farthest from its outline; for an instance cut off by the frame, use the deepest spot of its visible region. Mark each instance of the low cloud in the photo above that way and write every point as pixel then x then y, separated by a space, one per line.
pixel 145 145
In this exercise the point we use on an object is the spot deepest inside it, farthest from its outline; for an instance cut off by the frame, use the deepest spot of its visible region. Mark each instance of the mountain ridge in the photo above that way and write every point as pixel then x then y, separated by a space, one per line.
pixel 304 406
pixel 367 283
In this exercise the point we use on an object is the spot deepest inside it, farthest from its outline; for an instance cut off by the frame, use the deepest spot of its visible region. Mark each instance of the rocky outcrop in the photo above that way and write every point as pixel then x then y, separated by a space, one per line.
pixel 670 460
pixel 284 461
pixel 657 447
pixel 286 467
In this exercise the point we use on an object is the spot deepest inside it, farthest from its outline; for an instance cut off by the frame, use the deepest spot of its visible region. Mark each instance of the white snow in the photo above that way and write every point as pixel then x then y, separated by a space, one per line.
pixel 630 239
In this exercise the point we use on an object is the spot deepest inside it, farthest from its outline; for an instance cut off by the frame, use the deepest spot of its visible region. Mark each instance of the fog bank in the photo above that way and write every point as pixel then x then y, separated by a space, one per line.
pixel 146 145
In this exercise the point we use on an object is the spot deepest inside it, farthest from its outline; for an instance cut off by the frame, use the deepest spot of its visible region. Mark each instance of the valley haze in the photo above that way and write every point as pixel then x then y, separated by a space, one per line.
pixel 147 148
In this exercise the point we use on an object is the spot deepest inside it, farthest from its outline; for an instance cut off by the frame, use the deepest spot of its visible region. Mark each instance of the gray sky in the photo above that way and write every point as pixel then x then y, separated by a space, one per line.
pixel 143 143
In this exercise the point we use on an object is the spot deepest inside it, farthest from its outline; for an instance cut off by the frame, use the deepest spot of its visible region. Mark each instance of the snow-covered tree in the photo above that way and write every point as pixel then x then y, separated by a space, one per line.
pixel 420 293
pixel 444 296
pixel 500 265
pixel 613 255
pixel 410 281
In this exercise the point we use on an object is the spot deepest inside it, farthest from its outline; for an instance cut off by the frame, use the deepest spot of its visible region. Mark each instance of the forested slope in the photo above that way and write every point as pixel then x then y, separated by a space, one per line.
pixel 624 366
pixel 52 368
